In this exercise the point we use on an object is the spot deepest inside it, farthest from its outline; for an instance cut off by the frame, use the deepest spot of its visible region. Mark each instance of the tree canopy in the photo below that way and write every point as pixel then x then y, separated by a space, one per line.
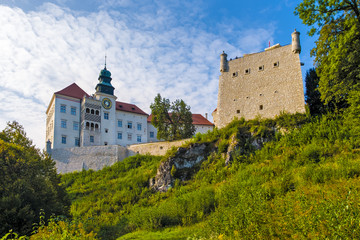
pixel 337 23
pixel 29 183
pixel 172 120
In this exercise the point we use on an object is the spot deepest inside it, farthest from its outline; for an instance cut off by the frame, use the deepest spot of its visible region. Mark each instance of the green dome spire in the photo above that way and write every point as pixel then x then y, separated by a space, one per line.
pixel 104 84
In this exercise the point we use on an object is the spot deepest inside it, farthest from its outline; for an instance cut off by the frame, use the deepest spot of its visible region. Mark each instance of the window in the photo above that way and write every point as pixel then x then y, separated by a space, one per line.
pixel 91 139
pixel 75 126
pixel 276 64
pixel 63 108
pixel 138 138
pixel 151 134
pixel 119 135
pixel 261 107
pixel 106 116
pixel 106 130
pixel 130 125
pixel 63 123
pixel 97 112
pixel 129 136
pixel 77 142
pixel 73 110
pixel 139 126
pixel 105 143
pixel 119 123
pixel 247 71
pixel 237 111
pixel 261 68
pixel 235 74
pixel 63 139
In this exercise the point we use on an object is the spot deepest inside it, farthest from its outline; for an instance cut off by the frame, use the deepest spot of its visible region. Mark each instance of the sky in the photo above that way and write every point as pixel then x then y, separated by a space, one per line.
pixel 152 46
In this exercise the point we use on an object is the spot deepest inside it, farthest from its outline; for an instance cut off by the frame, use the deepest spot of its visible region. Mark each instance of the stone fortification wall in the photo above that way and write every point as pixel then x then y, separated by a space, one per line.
pixel 261 84
pixel 156 149
pixel 97 157
pixel 91 157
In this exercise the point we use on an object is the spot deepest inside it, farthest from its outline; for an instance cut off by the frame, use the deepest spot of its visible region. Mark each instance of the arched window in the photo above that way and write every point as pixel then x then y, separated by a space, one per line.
pixel 87 125
pixel 87 110
pixel 92 111
pixel 97 112
pixel 96 126
pixel 92 125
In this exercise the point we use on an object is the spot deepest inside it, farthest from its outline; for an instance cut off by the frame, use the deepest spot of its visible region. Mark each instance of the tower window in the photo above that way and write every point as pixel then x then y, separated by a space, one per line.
pixel 63 108
pixel 276 64
pixel 97 113
pixel 73 111
pixel 91 139
pixel 247 71
pixel 235 74
pixel 238 111
pixel 77 142
pixel 105 143
pixel 87 110
pixel 75 125
pixel 261 107
pixel 106 130
pixel 92 111
pixel 106 116
pixel 63 123
pixel 119 123
pixel 261 68
pixel 139 126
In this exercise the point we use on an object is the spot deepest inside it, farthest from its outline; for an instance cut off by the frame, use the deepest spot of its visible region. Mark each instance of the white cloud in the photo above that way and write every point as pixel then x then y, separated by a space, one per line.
pixel 46 50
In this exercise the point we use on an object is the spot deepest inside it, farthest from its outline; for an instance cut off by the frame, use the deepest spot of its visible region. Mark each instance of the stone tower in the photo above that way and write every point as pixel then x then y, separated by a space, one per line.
pixel 295 44
pixel 260 84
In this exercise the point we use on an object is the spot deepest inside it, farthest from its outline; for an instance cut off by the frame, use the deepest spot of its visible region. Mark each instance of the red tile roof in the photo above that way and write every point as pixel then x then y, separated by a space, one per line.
pixel 74 91
pixel 127 107
pixel 198 119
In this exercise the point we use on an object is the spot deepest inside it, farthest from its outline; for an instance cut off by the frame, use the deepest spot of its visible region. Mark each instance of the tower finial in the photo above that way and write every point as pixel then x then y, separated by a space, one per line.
pixel 105 60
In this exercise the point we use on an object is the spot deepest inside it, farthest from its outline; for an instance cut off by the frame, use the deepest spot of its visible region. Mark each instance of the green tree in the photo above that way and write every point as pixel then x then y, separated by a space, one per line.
pixel 312 95
pixel 173 121
pixel 28 184
pixel 337 23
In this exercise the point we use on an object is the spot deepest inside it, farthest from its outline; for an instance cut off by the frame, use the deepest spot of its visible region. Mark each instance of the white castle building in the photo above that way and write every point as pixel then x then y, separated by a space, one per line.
pixel 77 119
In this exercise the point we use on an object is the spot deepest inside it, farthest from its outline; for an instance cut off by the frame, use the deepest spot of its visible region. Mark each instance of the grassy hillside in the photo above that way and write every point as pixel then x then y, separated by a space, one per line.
pixel 303 183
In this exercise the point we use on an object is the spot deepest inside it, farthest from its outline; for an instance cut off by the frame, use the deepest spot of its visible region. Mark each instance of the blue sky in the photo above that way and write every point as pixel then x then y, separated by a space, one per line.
pixel 152 46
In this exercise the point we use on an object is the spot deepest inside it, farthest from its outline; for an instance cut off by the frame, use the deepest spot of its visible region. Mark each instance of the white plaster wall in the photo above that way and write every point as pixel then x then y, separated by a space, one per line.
pixel 68 131
pixel 135 119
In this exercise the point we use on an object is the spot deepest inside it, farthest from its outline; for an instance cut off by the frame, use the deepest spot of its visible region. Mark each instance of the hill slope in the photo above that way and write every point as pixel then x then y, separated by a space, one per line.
pixel 302 183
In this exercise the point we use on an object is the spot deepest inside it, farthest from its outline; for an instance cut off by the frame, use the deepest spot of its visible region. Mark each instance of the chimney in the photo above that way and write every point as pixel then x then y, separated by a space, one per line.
pixel 206 116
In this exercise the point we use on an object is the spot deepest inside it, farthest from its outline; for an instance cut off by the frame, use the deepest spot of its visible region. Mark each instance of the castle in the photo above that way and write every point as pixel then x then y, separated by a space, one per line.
pixel 261 84
pixel 77 119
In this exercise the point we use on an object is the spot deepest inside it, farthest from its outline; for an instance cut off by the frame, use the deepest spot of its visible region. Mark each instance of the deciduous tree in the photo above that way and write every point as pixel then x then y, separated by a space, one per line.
pixel 173 121
pixel 337 50
pixel 29 183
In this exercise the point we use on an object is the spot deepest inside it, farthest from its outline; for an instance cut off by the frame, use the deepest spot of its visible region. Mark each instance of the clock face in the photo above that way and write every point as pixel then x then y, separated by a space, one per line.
pixel 106 103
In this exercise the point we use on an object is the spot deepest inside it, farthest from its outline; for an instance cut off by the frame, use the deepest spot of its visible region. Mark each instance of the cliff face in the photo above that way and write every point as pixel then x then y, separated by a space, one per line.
pixel 187 160
pixel 182 165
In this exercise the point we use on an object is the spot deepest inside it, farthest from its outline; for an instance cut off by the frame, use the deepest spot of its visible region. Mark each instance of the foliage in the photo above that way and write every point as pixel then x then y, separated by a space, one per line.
pixel 312 96
pixel 173 121
pixel 28 183
pixel 337 49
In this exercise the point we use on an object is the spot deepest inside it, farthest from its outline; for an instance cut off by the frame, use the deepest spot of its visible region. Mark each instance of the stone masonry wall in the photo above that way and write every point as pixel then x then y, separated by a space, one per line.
pixel 97 157
pixel 260 84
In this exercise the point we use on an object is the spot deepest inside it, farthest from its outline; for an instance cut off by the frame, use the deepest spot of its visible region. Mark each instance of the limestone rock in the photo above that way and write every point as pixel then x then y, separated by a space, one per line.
pixel 180 166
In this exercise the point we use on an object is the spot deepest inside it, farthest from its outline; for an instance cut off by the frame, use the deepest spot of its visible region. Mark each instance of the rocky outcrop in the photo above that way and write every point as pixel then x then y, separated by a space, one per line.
pixel 182 165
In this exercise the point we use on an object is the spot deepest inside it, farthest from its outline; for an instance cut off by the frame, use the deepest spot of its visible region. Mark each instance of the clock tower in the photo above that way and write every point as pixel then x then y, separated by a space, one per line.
pixel 105 95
